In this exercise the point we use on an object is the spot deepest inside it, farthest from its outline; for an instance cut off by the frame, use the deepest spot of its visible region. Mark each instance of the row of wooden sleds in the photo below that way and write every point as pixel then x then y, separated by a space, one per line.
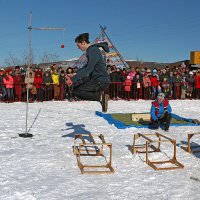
pixel 94 146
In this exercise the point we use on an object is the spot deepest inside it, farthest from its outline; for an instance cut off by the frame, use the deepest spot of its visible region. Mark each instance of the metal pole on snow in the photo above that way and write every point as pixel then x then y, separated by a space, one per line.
pixel 30 62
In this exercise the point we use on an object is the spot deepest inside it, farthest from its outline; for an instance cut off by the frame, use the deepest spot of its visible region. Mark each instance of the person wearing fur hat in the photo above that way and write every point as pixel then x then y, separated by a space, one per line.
pixel 30 70
pixel 160 112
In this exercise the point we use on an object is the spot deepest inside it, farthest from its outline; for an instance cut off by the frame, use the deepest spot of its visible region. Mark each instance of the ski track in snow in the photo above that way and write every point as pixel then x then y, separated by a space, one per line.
pixel 44 167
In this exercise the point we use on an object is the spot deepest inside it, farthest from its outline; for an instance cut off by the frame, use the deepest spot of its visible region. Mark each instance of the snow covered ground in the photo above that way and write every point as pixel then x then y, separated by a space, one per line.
pixel 44 167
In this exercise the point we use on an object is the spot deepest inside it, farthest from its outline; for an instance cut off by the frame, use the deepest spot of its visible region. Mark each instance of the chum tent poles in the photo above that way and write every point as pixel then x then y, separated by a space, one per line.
pixel 104 35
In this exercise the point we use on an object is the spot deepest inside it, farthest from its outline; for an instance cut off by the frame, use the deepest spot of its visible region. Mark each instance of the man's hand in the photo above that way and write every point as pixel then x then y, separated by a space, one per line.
pixel 69 82
pixel 163 115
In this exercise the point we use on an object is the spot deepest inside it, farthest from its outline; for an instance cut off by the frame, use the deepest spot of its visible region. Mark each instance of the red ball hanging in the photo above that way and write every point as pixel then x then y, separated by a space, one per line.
pixel 62 46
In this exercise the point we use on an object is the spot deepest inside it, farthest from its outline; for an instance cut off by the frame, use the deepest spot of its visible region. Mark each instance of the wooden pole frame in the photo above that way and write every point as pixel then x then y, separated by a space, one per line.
pixel 189 148
pixel 149 143
pixel 80 149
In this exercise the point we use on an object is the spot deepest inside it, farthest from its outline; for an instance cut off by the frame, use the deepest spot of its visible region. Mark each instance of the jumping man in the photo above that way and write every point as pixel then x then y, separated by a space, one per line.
pixel 91 81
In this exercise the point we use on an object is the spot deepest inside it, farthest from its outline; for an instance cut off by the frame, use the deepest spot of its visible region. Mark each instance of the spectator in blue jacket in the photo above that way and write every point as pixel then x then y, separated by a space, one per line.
pixel 161 112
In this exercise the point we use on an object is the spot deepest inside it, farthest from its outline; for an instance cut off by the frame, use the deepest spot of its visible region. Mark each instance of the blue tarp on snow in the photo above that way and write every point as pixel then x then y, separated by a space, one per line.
pixel 121 125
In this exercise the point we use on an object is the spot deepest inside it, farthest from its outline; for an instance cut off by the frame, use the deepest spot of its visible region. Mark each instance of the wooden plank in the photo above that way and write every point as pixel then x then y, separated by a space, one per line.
pixel 97 172
pixel 96 144
pixel 164 136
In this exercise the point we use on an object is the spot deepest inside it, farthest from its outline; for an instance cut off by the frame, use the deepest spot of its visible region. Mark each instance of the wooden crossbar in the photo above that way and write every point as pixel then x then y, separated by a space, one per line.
pixel 94 144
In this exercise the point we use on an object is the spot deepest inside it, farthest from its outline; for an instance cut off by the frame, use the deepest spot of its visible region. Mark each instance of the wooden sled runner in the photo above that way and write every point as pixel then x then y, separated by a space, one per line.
pixel 153 145
pixel 91 145
pixel 191 148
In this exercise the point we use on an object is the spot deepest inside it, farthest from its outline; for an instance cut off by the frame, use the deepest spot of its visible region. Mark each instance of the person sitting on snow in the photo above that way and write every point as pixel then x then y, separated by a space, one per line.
pixel 161 112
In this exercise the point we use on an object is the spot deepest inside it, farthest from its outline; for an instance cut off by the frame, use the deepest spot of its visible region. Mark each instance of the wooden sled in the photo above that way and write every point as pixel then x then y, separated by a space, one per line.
pixel 189 148
pixel 86 145
pixel 154 146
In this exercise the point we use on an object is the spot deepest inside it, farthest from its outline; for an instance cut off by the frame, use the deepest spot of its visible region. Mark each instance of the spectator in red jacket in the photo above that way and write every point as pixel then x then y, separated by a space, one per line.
pixel 197 84
pixel 39 86
pixel 18 85
pixel 8 81
pixel 127 87
pixel 154 83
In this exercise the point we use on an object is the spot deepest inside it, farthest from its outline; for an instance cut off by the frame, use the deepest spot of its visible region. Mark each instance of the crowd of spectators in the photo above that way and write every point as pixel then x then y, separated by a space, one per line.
pixel 178 82
pixel 47 84
pixel 41 84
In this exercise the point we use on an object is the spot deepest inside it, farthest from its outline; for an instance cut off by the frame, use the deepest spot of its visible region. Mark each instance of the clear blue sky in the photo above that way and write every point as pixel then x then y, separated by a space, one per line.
pixel 148 30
